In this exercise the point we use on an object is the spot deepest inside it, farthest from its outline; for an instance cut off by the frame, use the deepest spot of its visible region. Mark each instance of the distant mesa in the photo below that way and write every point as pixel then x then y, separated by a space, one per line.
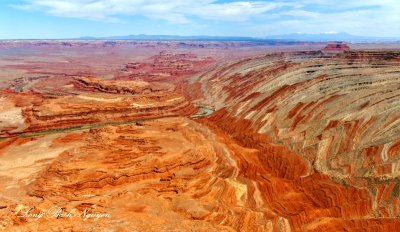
pixel 337 47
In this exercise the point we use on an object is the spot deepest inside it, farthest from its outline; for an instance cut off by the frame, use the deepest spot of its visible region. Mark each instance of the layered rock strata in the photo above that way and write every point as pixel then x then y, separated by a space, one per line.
pixel 338 118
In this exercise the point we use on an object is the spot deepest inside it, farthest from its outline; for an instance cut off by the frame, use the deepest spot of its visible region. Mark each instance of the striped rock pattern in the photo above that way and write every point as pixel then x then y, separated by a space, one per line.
pixel 340 115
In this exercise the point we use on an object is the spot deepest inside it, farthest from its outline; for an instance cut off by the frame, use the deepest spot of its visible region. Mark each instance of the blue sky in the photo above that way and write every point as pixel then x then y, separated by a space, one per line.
pixel 25 19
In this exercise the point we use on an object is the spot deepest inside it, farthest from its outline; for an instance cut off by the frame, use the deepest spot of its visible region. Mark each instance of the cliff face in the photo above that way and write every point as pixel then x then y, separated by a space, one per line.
pixel 337 117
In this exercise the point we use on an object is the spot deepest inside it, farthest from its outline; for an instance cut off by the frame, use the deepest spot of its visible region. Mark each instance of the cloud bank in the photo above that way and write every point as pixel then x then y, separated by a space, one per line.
pixel 272 16
pixel 174 11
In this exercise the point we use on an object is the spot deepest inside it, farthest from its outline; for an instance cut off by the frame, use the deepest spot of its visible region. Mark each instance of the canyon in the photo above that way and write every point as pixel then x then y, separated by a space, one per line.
pixel 199 136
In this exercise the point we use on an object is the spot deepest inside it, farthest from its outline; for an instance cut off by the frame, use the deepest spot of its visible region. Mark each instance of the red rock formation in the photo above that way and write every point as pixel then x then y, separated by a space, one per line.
pixel 69 111
pixel 336 47
pixel 372 55
pixel 121 87
pixel 165 67
pixel 336 117
pixel 288 187
pixel 268 97
pixel 89 101
pixel 169 174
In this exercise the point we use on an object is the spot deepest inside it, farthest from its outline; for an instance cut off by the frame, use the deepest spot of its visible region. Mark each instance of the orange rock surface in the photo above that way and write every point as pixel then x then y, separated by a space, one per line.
pixel 138 175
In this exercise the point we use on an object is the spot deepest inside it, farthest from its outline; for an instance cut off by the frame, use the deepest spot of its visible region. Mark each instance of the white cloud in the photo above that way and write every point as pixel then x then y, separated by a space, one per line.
pixel 234 11
pixel 175 11
pixel 359 17
pixel 363 17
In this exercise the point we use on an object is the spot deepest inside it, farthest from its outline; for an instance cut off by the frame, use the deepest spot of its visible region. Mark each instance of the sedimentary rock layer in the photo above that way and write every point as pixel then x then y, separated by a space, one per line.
pixel 338 117
pixel 333 111
pixel 79 110
pixel 121 87
pixel 88 101
pixel 304 201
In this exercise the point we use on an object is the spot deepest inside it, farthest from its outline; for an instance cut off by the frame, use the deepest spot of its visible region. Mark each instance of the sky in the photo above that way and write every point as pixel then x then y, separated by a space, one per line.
pixel 54 19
